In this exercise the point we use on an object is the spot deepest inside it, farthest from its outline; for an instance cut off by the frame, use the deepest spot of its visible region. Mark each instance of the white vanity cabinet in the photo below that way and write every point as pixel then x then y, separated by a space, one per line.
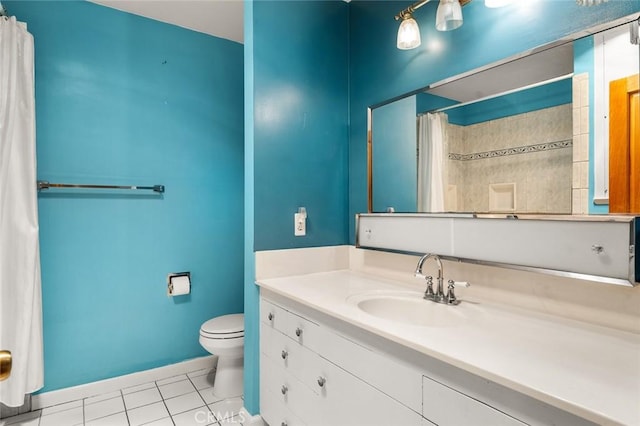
pixel 446 406
pixel 299 386
pixel 318 370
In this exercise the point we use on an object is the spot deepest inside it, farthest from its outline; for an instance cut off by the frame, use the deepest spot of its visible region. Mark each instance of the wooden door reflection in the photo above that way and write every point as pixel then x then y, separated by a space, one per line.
pixel 624 145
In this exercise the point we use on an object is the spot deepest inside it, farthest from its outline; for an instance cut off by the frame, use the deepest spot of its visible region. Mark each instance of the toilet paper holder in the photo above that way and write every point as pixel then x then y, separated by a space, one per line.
pixel 173 275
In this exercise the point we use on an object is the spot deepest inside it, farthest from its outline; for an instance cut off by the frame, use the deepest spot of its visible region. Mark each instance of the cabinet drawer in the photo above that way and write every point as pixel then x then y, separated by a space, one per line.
pixel 272 410
pixel 294 326
pixel 291 357
pixel 373 367
pixel 288 391
pixel 446 406
pixel 273 315
pixel 275 413
pixel 303 331
pixel 348 401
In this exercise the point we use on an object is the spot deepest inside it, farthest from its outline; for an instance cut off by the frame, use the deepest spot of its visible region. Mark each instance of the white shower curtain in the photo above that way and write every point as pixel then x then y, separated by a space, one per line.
pixel 20 290
pixel 431 162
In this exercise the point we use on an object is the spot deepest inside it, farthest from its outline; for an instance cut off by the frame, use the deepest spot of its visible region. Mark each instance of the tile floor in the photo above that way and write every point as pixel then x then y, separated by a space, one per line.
pixel 182 400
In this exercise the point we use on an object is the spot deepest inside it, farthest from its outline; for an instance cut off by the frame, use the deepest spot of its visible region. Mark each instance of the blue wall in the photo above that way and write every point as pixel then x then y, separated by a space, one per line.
pixel 379 71
pixel 300 121
pixel 395 182
pixel 296 142
pixel 251 291
pixel 426 102
pixel 547 96
pixel 126 100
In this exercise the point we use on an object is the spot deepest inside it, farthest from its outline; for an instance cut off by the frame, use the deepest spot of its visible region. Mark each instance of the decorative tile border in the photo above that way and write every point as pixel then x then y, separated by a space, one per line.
pixel 547 146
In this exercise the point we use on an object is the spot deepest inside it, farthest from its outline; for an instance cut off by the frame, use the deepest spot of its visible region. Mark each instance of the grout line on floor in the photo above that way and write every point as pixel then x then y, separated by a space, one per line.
pixel 126 412
pixel 164 403
pixel 206 406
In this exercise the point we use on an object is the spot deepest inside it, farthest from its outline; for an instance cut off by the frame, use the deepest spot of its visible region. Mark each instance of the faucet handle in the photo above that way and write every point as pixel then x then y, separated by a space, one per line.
pixel 451 295
pixel 428 294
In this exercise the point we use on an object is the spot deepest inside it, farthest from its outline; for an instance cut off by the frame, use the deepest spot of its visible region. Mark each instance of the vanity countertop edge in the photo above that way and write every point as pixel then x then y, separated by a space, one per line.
pixel 587 370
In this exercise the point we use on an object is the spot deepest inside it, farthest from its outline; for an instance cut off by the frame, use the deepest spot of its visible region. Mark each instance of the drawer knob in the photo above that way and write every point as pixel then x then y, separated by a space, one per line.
pixel 284 389
pixel 321 381
pixel 270 316
pixel 284 354
pixel 283 424
pixel 298 332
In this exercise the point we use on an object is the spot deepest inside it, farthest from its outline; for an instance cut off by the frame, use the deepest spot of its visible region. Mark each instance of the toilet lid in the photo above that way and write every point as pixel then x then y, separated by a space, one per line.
pixel 224 326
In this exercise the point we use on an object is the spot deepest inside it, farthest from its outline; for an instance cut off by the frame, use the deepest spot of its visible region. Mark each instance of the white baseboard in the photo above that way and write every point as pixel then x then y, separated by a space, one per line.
pixel 249 420
pixel 60 396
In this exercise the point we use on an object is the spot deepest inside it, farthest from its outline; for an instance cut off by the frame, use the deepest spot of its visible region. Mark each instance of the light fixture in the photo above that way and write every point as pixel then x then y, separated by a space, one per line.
pixel 448 15
pixel 408 33
pixel 497 3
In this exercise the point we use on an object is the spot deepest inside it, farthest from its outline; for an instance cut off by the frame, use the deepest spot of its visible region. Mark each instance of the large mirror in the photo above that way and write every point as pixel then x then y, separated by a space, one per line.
pixel 528 134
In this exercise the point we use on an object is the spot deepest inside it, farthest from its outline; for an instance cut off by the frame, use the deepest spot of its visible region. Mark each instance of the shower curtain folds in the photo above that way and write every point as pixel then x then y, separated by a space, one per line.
pixel 431 162
pixel 20 289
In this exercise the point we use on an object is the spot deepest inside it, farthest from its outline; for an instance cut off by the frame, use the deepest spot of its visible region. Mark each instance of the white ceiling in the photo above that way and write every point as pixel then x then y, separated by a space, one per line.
pixel 220 18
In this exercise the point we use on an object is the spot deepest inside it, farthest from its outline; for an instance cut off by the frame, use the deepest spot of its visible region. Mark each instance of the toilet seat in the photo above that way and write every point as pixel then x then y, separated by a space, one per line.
pixel 221 336
pixel 224 327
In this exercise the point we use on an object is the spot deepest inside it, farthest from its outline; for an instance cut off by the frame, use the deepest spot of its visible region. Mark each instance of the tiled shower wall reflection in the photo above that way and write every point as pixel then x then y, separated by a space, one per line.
pixel 580 186
pixel 542 178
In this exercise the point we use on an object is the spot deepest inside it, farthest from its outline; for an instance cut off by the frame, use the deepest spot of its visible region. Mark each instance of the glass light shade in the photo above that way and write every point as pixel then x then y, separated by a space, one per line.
pixel 448 15
pixel 496 3
pixel 408 34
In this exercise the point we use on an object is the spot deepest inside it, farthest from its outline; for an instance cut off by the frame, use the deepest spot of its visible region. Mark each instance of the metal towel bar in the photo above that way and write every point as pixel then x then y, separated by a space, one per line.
pixel 46 185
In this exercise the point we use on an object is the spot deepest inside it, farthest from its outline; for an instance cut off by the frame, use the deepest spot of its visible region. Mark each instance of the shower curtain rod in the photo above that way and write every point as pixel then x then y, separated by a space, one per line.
pixel 46 185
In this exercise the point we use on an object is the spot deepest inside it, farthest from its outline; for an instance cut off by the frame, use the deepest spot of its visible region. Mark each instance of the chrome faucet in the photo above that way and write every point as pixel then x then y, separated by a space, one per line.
pixel 438 296
pixel 429 294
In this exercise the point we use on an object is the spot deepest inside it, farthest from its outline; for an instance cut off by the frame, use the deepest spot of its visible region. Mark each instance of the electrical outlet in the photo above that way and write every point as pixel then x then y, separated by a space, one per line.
pixel 299 224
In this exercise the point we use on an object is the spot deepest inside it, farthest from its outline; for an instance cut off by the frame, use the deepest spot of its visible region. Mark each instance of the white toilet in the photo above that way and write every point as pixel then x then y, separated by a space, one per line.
pixel 224 336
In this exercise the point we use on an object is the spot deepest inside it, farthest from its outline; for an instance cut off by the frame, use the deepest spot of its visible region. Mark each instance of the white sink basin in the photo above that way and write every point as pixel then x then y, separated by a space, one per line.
pixel 408 308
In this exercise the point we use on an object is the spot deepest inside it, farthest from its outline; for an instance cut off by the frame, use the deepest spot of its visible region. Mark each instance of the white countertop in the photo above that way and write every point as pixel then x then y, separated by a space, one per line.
pixel 590 371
